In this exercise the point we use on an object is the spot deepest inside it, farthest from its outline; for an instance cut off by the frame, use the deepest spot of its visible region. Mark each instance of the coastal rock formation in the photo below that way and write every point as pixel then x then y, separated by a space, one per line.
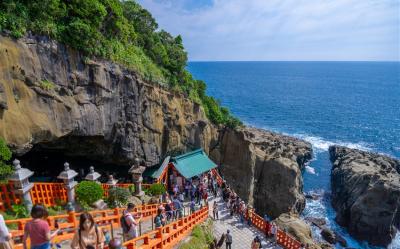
pixel 52 97
pixel 292 224
pixel 366 194
pixel 264 168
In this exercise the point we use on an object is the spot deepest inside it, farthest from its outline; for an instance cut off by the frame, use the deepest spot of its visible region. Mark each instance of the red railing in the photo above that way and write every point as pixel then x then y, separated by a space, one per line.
pixel 68 223
pixel 48 194
pixel 169 235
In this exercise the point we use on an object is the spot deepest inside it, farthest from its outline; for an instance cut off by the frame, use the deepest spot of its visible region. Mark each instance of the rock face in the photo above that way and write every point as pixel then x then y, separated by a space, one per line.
pixel 366 194
pixel 53 97
pixel 264 168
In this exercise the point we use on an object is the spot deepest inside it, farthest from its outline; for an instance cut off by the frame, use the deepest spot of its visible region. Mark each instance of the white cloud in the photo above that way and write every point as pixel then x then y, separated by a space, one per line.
pixel 283 30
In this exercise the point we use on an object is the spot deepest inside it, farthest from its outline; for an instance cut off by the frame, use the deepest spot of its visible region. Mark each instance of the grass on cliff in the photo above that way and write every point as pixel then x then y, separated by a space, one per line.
pixel 201 237
pixel 121 31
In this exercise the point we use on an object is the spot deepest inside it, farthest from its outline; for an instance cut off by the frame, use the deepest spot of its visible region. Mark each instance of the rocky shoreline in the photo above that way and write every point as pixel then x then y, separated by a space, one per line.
pixel 366 194
pixel 100 110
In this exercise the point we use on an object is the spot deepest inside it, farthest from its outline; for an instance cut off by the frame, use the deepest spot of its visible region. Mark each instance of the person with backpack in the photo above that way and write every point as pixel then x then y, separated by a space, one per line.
pixel 88 234
pixel 130 223
pixel 159 220
pixel 38 229
pixel 228 240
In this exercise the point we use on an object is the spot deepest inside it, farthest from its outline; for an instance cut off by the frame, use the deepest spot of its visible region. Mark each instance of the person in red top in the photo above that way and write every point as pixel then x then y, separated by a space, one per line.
pixel 38 229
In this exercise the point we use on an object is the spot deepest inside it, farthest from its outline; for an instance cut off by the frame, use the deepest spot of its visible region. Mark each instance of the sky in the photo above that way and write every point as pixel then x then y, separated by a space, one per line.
pixel 283 30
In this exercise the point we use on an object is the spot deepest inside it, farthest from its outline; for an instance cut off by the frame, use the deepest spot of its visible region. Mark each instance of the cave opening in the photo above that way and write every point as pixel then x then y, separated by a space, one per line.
pixel 47 163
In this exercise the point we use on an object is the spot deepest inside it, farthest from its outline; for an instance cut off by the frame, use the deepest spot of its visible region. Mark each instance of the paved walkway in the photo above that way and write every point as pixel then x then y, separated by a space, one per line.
pixel 242 234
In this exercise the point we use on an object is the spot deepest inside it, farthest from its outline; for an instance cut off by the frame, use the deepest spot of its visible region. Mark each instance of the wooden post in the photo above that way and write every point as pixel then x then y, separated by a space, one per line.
pixel 160 236
pixel 72 218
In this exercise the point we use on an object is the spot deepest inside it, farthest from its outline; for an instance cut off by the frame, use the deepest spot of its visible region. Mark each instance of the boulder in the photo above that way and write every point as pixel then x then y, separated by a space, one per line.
pixel 366 194
pixel 319 222
pixel 328 235
pixel 292 224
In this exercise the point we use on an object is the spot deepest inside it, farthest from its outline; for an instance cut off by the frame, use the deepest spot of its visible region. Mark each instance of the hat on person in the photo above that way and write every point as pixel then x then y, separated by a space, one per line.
pixel 227 231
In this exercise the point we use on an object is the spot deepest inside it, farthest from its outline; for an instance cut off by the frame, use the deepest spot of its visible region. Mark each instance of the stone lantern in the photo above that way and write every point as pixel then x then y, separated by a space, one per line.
pixel 111 181
pixel 69 183
pixel 22 186
pixel 136 171
pixel 93 175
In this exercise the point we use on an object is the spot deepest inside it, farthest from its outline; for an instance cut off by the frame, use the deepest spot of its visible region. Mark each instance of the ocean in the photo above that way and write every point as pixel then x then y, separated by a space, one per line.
pixel 356 104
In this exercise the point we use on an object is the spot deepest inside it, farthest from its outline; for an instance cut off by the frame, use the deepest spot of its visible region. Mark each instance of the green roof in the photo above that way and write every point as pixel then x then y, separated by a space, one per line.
pixel 193 163
pixel 155 172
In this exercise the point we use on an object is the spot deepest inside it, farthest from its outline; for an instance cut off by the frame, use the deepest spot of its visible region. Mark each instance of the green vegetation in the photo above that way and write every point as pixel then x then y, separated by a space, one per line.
pixel 46 85
pixel 88 192
pixel 202 236
pixel 118 197
pixel 118 30
pixel 156 189
pixel 19 211
pixel 5 155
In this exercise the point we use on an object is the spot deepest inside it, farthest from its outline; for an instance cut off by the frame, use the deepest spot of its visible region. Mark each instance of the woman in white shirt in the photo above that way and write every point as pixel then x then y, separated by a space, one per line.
pixel 5 236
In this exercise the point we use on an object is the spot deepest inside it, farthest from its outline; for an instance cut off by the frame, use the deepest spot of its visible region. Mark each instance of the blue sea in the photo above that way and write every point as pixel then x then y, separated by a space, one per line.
pixel 356 104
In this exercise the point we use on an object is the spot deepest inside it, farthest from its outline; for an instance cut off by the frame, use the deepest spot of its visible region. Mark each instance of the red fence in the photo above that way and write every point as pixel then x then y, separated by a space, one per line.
pixel 168 236
pixel 69 222
pixel 48 194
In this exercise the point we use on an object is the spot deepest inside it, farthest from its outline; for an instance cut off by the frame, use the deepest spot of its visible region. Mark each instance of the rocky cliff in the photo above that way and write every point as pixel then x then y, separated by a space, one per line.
pixel 366 194
pixel 53 97
pixel 264 168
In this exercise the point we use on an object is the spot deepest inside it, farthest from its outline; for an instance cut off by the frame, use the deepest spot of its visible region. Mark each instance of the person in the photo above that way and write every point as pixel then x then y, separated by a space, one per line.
pixel 131 222
pixel 5 236
pixel 215 210
pixel 88 234
pixel 115 244
pixel 192 207
pixel 274 231
pixel 228 240
pixel 38 229
pixel 181 197
pixel 205 196
pixel 178 208
pixel 168 210
pixel 302 246
pixel 159 220
pixel 249 215
pixel 254 244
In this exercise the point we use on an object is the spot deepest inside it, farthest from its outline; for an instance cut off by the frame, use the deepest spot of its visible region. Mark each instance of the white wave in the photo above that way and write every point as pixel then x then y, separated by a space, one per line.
pixel 310 170
pixel 395 242
pixel 320 144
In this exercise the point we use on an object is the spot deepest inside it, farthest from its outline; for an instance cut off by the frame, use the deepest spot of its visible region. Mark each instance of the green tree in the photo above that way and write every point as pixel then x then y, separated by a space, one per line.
pixel 5 155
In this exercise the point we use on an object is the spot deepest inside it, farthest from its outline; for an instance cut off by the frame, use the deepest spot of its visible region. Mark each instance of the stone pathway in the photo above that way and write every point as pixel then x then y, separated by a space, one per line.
pixel 242 234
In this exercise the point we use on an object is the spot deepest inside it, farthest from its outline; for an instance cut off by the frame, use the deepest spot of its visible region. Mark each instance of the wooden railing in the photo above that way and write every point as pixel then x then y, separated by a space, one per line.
pixel 169 235
pixel 48 194
pixel 68 223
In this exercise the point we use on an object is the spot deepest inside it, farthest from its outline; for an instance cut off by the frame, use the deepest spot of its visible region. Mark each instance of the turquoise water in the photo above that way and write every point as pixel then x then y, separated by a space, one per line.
pixel 356 104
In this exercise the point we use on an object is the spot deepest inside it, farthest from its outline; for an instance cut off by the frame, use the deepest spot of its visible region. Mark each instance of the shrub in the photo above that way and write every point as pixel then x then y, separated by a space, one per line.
pixel 131 189
pixel 5 155
pixel 20 211
pixel 88 192
pixel 46 85
pixel 118 197
pixel 201 237
pixel 157 189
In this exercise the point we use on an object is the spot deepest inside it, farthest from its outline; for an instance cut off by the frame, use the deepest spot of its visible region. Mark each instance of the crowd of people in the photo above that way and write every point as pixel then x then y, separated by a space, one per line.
pixel 195 192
